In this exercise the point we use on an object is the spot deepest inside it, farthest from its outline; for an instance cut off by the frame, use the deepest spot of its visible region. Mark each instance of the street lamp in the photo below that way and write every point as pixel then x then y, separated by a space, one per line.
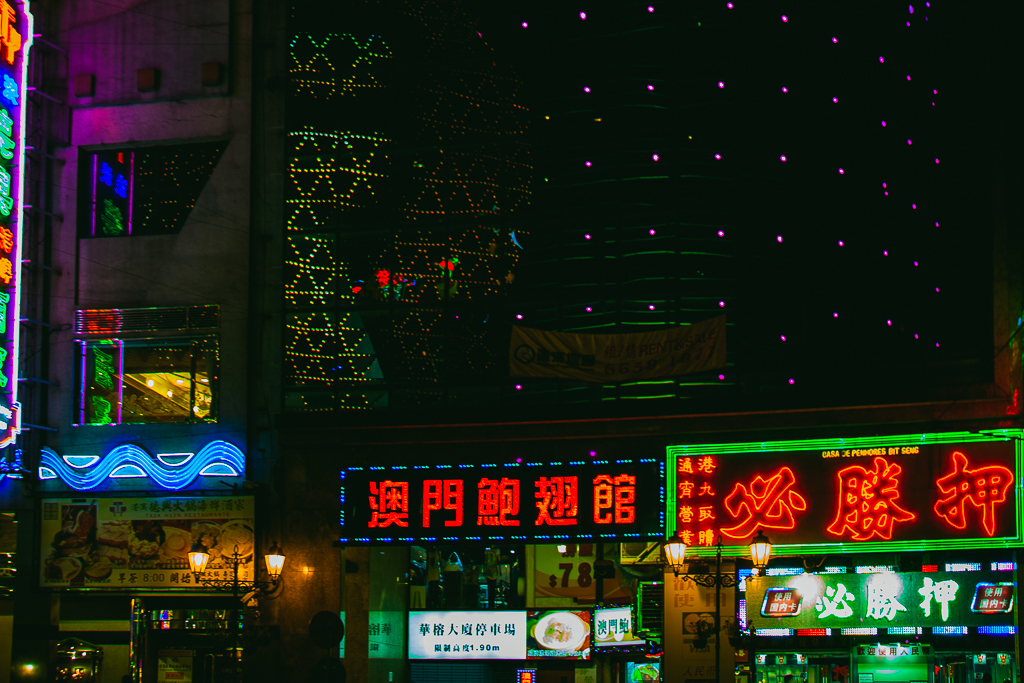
pixel 760 550
pixel 199 558
pixel 675 553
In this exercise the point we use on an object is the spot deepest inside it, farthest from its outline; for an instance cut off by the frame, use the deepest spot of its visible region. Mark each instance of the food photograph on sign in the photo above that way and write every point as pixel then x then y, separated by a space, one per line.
pixel 555 633
pixel 143 542
pixel 925 491
pixel 532 502
pixel 643 672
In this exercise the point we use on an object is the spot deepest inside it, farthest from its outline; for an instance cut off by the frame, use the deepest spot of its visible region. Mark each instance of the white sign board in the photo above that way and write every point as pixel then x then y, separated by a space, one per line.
pixel 614 627
pixel 467 635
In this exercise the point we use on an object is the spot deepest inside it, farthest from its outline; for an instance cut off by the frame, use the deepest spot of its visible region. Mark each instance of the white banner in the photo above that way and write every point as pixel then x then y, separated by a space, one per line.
pixel 467 635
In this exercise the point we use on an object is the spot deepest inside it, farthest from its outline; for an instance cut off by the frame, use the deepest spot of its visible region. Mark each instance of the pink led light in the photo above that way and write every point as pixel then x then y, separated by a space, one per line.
pixel 884 185
pixel 911 7
pixel 650 307
pixel 840 243
pixel 729 5
pixel 589 309
pixel 721 304
pixel 792 381
pixel 519 316
pixel 587 164
pixel 835 315
pixel 583 15
pixel 936 224
pixel 785 89
pixel 915 336
pixel 886 193
pixel 721 84
pixel 650 87
pixel 834 40
pixel 721 377
pixel 936 160
pixel 718 156
pixel 881 59
pixel 889 323
pixel 525 24
pixel 651 231
pixel 519 459
pixel 519 387
pixel 655 157
pixel 915 263
pixel 885 252
pixel 841 172
pixel 936 289
pixel 883 124
pixel 935 92
pixel 908 75
pixel 908 23
pixel 835 100
pixel 782 157
pixel 784 18
pixel 913 206
pixel 782 337
pixel 586 88
pixel 778 238
pixel 909 142
pixel 593 454
pixel 936 344
pixel 721 233
pixel 650 8
pixel 587 236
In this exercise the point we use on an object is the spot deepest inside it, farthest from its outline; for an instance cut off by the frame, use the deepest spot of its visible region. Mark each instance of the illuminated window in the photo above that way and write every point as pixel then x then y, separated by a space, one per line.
pixel 142 381
pixel 143 190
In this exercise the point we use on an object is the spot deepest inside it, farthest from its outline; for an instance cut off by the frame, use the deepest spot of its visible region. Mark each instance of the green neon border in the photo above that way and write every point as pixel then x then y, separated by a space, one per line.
pixel 1017 435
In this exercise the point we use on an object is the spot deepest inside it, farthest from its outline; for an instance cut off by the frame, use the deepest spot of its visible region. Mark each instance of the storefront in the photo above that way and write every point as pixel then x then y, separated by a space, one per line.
pixel 893 556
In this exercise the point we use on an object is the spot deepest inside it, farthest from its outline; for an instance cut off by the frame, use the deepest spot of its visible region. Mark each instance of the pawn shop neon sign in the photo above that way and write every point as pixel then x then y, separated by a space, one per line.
pixel 850 493
pixel 15 41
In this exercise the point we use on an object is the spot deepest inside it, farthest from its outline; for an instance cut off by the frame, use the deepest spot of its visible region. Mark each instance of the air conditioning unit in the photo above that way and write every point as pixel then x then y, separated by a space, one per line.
pixel 649 610
pixel 642 552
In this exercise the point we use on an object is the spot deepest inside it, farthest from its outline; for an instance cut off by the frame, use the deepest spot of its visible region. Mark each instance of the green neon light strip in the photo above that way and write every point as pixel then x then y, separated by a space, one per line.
pixel 863 442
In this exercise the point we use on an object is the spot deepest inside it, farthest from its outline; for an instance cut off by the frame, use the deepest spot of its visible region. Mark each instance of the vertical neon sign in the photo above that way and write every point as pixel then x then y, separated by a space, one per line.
pixel 15 41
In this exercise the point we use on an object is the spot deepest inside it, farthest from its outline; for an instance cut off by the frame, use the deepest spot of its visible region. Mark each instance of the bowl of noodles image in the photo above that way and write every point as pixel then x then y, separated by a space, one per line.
pixel 561 631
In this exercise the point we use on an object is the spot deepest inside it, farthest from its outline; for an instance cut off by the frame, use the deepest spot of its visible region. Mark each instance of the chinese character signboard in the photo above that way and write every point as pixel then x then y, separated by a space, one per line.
pixel 614 627
pixel 930 491
pixel 112 185
pixel 467 635
pixel 558 634
pixel 598 500
pixel 132 543
pixel 15 40
pixel 881 600
pixel 618 357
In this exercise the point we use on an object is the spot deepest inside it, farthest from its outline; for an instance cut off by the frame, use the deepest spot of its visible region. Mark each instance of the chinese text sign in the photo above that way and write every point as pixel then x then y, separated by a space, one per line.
pixel 941 492
pixel 15 41
pixel 880 600
pixel 467 635
pixel 533 501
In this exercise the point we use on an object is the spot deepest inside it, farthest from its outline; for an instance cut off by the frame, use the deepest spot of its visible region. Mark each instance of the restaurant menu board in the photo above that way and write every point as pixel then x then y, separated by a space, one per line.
pixel 559 634
pixel 133 543
pixel 526 502
pixel 643 672
pixel 924 491
pixel 467 635
pixel 889 599
pixel 614 627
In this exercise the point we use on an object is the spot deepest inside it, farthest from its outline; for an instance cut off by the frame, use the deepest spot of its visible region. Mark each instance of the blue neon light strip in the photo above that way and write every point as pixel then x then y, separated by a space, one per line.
pixel 998 630
pixel 216 459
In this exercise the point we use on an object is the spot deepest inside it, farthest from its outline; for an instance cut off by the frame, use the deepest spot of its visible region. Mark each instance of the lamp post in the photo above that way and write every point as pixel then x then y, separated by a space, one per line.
pixel 675 553
pixel 199 558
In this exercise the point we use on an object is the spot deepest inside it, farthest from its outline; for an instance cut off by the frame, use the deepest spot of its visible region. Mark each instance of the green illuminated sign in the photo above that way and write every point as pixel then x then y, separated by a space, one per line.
pixel 915 492
pixel 881 600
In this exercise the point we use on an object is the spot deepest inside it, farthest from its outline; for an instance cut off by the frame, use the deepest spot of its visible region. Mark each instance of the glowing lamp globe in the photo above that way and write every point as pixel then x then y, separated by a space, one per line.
pixel 198 559
pixel 275 562
pixel 675 554
pixel 760 550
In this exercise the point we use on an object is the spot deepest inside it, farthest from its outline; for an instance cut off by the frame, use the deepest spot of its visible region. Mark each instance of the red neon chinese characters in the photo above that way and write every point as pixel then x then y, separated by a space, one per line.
pixel 556 501
pixel 867 502
pixel 618 493
pixel 982 487
pixel 438 494
pixel 766 504
pixel 389 501
pixel 495 500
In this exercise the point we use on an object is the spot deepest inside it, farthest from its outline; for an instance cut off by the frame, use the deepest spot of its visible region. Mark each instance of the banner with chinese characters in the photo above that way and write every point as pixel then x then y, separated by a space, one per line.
pixel 15 41
pixel 527 502
pixel 890 599
pixel 614 627
pixel 133 543
pixel 467 635
pixel 928 491
pixel 618 357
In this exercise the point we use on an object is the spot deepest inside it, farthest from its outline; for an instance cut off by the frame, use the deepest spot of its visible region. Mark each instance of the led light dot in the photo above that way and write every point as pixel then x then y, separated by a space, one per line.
pixel 778 238
pixel 792 381
pixel 721 377
pixel 889 323
pixel 587 164
pixel 586 237
pixel 782 157
pixel 650 307
pixel 835 315
pixel 651 231
pixel 834 40
pixel 650 87
pixel 784 18
pixel 583 15
pixel 655 157
pixel 729 5
pixel 841 171
pixel 718 156
pixel 881 60
pixel 721 304
pixel 519 316
pixel 883 124
pixel 785 89
pixel 721 84
pixel 782 337
pixel 524 24
pixel 840 243
pixel 586 88
pixel 519 387
pixel 835 100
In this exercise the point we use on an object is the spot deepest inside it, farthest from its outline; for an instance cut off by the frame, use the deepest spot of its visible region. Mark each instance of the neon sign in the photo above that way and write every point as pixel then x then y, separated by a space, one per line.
pixel 890 600
pixel 15 41
pixel 843 495
pixel 529 501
